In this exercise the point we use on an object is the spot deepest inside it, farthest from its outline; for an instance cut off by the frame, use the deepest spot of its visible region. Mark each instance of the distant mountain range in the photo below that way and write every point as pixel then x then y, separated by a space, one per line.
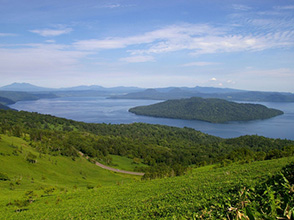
pixel 27 87
pixel 25 91
pixel 209 92
pixel 24 87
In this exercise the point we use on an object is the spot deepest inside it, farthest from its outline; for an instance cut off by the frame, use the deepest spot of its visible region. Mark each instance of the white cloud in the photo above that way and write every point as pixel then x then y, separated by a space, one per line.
pixel 287 7
pixel 176 34
pixel 197 38
pixel 137 59
pixel 7 35
pixel 111 6
pixel 39 59
pixel 199 64
pixel 51 32
pixel 114 5
pixel 273 73
pixel 50 41
pixel 109 43
pixel 213 79
pixel 266 79
pixel 241 7
pixel 230 81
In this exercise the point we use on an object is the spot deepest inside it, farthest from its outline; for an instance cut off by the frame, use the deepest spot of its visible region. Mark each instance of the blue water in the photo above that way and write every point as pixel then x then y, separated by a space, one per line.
pixel 115 111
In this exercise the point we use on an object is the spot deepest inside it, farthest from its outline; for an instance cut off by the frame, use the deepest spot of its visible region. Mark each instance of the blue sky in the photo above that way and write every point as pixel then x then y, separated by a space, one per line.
pixel 152 43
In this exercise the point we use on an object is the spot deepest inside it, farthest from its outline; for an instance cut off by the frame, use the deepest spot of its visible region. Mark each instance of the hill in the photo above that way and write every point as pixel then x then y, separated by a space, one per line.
pixel 27 87
pixel 18 158
pixel 4 107
pixel 24 169
pixel 42 175
pixel 204 193
pixel 17 96
pixel 14 96
pixel 154 94
pixel 211 110
pixel 164 149
pixel 208 92
pixel 24 87
pixel 6 101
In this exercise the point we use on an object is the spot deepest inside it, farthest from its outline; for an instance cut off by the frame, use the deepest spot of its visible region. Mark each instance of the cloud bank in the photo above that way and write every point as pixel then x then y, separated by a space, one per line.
pixel 51 32
pixel 196 38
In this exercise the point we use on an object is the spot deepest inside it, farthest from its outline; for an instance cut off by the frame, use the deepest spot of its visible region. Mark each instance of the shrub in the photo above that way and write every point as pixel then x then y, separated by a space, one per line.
pixel 49 190
pixel 31 158
pixel 4 177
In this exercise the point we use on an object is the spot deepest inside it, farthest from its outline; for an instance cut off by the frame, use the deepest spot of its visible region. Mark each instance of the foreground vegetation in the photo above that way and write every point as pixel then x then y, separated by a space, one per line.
pixel 24 168
pixel 252 190
pixel 42 175
pixel 211 110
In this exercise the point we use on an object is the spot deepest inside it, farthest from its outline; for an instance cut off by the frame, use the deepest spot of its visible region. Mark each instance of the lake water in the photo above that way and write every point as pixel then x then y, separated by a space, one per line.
pixel 115 111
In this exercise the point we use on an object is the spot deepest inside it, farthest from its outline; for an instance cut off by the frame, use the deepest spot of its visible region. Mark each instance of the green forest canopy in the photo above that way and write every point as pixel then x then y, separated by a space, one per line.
pixel 155 145
pixel 211 110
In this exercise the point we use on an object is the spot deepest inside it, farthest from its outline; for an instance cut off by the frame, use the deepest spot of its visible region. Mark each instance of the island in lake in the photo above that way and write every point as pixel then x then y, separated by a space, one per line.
pixel 210 110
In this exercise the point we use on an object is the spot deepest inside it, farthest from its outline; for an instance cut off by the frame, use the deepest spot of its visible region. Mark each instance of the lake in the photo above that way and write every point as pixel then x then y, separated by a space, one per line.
pixel 115 111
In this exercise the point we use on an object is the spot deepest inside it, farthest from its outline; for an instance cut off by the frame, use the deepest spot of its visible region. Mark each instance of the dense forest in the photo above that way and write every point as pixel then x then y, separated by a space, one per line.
pixel 211 110
pixel 166 150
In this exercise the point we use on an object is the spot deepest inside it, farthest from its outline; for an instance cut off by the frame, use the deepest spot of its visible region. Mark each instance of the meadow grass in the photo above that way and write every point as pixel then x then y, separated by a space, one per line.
pixel 125 163
pixel 49 171
pixel 202 193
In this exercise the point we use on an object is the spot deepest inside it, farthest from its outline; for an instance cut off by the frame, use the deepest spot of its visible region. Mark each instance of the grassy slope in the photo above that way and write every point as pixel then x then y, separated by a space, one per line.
pixel 179 197
pixel 124 163
pixel 59 172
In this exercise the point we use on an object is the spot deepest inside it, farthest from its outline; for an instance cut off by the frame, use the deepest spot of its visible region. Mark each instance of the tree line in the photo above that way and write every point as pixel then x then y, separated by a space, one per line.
pixel 167 150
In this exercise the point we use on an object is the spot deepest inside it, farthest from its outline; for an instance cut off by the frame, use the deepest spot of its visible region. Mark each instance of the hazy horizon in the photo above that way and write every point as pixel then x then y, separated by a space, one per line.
pixel 242 44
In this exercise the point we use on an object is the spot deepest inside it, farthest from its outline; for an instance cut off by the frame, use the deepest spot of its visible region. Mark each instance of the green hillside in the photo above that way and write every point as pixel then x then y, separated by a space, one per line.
pixel 211 110
pixel 42 175
pixel 35 170
pixel 166 150
pixel 204 193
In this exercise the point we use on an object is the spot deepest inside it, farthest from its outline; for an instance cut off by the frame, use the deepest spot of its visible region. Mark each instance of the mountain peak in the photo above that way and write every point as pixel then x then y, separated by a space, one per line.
pixel 23 87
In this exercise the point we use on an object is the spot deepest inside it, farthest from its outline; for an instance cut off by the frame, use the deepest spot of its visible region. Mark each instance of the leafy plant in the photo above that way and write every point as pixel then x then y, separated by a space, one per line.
pixel 31 158
pixel 4 177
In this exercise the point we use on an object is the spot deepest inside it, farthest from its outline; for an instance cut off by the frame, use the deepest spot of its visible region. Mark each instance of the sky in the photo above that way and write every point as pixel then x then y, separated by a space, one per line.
pixel 243 44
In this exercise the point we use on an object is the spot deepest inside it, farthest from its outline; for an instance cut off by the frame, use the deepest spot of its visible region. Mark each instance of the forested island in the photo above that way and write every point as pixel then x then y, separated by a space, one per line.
pixel 210 110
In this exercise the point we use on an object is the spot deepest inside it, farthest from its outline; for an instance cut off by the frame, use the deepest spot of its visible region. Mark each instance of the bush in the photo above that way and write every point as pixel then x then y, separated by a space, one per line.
pixel 4 177
pixel 31 158
pixel 49 190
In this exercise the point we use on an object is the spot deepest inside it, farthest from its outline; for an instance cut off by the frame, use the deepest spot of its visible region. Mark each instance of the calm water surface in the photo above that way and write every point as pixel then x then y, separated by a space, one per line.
pixel 115 111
